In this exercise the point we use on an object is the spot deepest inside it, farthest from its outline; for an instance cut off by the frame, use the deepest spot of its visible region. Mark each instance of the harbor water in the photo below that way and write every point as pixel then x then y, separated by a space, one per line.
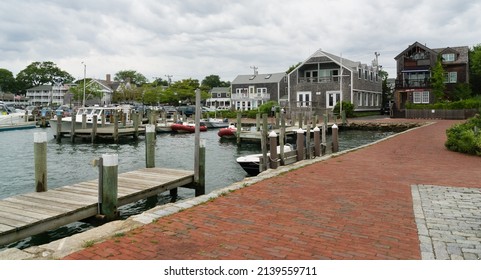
pixel 70 163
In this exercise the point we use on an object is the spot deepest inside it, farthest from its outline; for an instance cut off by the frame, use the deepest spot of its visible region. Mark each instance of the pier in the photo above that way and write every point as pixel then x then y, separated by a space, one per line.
pixel 33 213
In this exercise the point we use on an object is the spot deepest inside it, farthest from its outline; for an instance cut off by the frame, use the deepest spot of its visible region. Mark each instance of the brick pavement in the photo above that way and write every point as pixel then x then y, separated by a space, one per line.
pixel 357 205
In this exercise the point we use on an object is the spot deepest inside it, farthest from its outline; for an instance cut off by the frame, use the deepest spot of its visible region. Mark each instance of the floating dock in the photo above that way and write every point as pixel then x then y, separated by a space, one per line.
pixel 28 214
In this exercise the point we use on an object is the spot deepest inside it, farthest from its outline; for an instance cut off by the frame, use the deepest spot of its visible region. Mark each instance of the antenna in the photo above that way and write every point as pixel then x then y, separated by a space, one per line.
pixel 255 69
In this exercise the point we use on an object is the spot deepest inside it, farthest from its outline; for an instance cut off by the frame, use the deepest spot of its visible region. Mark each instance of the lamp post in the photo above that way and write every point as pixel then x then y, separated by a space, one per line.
pixel 85 74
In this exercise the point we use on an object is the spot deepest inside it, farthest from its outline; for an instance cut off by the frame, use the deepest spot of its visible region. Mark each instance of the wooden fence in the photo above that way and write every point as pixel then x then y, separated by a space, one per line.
pixel 460 114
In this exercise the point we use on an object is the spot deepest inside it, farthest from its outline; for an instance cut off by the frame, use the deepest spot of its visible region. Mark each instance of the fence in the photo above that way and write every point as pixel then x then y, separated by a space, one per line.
pixel 460 114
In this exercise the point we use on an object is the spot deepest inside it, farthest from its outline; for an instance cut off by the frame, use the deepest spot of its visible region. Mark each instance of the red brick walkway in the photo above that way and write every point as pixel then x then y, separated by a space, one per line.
pixel 354 206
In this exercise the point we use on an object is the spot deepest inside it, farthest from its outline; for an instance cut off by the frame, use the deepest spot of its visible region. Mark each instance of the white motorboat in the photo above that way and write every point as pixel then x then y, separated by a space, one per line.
pixel 10 116
pixel 250 163
pixel 104 116
pixel 164 125
pixel 216 123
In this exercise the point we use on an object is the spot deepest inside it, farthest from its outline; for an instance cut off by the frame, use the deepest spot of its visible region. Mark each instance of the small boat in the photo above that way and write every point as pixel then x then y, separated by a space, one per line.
pixel 164 125
pixel 250 163
pixel 187 127
pixel 217 123
pixel 228 132
pixel 101 112
pixel 9 116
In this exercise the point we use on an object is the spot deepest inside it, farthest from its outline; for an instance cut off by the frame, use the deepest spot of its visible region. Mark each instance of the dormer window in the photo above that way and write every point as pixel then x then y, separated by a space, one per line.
pixel 268 76
pixel 448 57
pixel 252 77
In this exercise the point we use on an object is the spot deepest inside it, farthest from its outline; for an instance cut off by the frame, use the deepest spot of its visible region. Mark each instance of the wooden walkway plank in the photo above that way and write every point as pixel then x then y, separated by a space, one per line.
pixel 32 213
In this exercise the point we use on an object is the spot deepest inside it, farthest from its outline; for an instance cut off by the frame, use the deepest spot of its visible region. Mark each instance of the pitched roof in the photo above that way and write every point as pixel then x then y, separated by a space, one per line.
pixel 259 78
pixel 463 51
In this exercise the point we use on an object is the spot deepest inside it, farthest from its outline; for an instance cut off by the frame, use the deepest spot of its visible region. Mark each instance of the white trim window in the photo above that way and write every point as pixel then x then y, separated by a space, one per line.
pixel 421 97
pixel 448 57
pixel 451 77
pixel 332 97
pixel 359 98
pixel 303 98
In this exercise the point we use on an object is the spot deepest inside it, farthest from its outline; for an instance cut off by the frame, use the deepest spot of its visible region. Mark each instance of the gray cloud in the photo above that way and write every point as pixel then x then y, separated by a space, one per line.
pixel 199 38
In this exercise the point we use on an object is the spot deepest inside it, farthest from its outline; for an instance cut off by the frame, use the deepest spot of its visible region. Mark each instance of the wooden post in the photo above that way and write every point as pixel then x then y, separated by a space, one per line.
pixel 343 117
pixel 258 122
pixel 136 121
pixel 282 135
pixel 308 142
pixel 263 132
pixel 317 141
pixel 300 119
pixel 26 116
pixel 43 121
pixel 335 138
pixel 200 185
pixel 239 127
pixel 109 185
pixel 124 119
pixel 323 139
pixel 93 134
pixel 300 144
pixel 150 146
pixel 326 120
pixel 84 121
pixel 40 159
pixel 274 161
pixel 72 127
pixel 116 127
pixel 59 129
pixel 277 119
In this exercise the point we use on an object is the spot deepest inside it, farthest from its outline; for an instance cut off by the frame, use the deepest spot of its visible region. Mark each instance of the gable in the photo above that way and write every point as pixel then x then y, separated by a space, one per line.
pixel 416 51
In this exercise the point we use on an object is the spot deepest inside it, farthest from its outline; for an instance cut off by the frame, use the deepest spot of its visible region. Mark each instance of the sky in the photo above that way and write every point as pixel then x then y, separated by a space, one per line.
pixel 194 39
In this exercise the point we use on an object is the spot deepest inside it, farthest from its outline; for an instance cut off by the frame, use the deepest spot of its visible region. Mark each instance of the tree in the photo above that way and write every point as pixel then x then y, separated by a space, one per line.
pixel 475 69
pixel 92 90
pixel 213 81
pixel 292 67
pixel 386 90
pixel 130 76
pixel 41 73
pixel 7 81
pixel 437 80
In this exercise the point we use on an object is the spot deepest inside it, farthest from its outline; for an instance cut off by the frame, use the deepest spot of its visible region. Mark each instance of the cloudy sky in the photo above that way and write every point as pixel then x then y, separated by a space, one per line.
pixel 194 39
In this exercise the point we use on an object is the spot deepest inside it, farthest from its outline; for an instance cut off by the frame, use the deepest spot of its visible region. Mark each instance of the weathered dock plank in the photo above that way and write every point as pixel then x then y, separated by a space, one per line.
pixel 32 213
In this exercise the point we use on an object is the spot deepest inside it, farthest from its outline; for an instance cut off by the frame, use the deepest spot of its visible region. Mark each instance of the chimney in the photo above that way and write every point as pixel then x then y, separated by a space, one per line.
pixel 107 78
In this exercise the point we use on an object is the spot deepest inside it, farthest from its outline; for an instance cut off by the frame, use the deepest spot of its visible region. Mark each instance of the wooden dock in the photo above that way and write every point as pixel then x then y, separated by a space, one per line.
pixel 107 133
pixel 28 214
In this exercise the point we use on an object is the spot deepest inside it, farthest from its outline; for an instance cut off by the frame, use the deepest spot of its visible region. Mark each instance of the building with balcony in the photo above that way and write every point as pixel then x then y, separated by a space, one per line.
pixel 248 92
pixel 414 67
pixel 324 79
pixel 219 97
pixel 47 95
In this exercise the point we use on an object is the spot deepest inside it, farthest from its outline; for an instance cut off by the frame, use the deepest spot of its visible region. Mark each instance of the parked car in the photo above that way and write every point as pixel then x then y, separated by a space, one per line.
pixel 223 108
pixel 186 110
pixel 63 110
pixel 169 111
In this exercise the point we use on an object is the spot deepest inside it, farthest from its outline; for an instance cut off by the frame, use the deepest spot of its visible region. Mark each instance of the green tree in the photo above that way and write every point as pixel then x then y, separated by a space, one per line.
pixel 292 67
pixel 386 89
pixel 437 80
pixel 41 73
pixel 92 90
pixel 131 76
pixel 7 81
pixel 475 69
pixel 212 81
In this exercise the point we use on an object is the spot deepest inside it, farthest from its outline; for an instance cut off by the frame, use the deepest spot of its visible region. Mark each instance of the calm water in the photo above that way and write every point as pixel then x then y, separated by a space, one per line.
pixel 69 163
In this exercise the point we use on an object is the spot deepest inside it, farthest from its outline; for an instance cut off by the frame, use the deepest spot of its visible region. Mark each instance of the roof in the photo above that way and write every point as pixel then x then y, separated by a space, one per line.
pixel 463 51
pixel 259 78
pixel 220 89
pixel 41 87
pixel 346 63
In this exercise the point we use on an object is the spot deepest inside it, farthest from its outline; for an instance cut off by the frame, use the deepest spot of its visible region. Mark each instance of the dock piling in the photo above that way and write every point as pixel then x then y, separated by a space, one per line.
pixel 335 138
pixel 317 142
pixel 59 129
pixel 300 144
pixel 40 159
pixel 274 161
pixel 93 134
pixel 109 185
pixel 150 146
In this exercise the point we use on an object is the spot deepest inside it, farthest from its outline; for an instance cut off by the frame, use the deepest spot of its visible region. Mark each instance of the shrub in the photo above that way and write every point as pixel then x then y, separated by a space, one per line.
pixel 465 137
pixel 347 107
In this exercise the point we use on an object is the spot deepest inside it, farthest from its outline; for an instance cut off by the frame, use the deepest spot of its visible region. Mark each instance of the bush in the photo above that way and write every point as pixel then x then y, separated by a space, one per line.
pixel 347 107
pixel 472 103
pixel 465 137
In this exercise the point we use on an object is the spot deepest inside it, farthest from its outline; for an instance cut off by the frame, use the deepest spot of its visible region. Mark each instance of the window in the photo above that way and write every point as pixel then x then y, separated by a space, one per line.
pixel 448 57
pixel 421 97
pixel 332 98
pixel 365 74
pixel 371 75
pixel 359 99
pixel 219 95
pixel 303 98
pixel 359 73
pixel 451 77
